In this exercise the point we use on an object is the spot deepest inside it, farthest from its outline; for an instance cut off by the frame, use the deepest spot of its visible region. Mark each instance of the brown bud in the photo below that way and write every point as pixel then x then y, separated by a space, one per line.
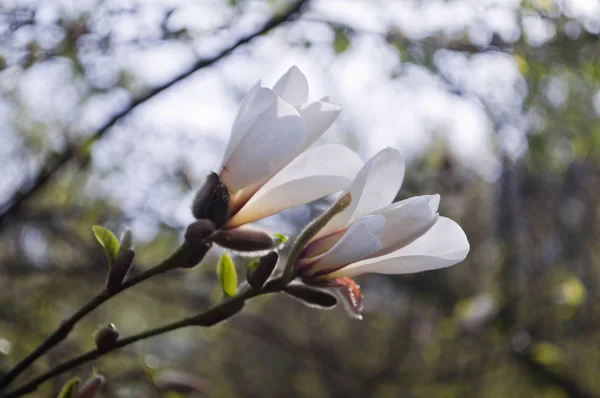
pixel 199 230
pixel 190 254
pixel 257 274
pixel 117 273
pixel 310 296
pixel 126 241
pixel 91 387
pixel 106 336
pixel 244 239
pixel 212 201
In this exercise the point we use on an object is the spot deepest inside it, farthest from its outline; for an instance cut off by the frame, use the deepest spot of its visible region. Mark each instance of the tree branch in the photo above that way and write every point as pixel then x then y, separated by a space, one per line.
pixel 68 324
pixel 55 162
pixel 210 317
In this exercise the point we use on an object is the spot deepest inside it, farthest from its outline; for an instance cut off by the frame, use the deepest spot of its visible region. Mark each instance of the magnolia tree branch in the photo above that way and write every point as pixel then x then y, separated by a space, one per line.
pixel 55 162
pixel 68 324
pixel 210 317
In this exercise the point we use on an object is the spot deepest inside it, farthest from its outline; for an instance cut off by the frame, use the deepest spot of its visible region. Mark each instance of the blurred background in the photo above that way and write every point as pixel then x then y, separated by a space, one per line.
pixel 112 112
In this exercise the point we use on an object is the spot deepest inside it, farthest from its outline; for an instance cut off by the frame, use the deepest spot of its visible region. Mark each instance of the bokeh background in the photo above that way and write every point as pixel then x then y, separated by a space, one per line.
pixel 112 112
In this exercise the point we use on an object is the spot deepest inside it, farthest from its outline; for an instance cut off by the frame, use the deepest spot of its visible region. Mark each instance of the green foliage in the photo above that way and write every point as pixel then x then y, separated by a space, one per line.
pixel 227 275
pixel 109 242
pixel 572 292
pixel 547 354
pixel 69 390
pixel 341 40
pixel 281 239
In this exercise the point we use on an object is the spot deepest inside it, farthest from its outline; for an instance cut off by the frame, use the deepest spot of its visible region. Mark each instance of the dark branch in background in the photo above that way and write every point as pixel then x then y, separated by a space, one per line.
pixel 55 162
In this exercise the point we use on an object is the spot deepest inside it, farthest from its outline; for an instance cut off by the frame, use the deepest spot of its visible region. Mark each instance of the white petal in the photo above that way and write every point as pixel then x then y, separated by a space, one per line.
pixel 357 243
pixel 445 244
pixel 375 186
pixel 269 140
pixel 406 221
pixel 254 100
pixel 315 173
pixel 318 117
pixel 292 87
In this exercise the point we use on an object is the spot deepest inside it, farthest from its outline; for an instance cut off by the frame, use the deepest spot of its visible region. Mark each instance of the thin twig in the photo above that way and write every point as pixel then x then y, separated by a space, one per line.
pixel 56 162
pixel 67 325
pixel 216 314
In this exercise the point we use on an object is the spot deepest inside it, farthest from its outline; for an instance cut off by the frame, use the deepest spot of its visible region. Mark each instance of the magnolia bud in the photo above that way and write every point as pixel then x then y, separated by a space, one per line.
pixel 310 296
pixel 190 254
pixel 106 337
pixel 244 239
pixel 257 274
pixel 212 201
pixel 117 273
pixel 126 240
pixel 199 230
pixel 91 387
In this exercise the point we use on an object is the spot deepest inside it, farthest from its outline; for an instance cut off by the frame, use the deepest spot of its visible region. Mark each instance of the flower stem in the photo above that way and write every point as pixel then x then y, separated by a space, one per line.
pixel 213 315
pixel 68 324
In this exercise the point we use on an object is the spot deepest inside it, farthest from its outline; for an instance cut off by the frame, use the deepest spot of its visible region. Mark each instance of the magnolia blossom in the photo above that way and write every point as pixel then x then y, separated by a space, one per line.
pixel 372 235
pixel 268 166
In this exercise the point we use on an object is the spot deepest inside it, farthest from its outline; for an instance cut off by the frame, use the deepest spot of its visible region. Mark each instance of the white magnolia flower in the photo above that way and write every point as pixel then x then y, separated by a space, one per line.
pixel 372 235
pixel 267 166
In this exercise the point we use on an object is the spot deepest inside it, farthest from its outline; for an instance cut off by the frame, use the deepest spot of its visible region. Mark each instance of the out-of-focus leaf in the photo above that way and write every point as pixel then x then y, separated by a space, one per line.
pixel 341 41
pixel 69 390
pixel 547 353
pixel 227 275
pixel 109 242
pixel 281 238
pixel 571 292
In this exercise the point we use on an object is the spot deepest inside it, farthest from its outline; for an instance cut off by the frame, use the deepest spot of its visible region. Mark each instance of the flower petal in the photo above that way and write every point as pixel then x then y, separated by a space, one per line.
pixel 375 186
pixel 254 102
pixel 269 135
pixel 318 117
pixel 357 243
pixel 292 87
pixel 406 221
pixel 315 173
pixel 445 244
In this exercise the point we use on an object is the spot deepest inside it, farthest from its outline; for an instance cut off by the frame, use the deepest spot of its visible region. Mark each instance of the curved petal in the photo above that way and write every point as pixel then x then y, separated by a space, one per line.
pixel 315 173
pixel 357 243
pixel 445 244
pixel 406 221
pixel 375 186
pixel 254 102
pixel 318 117
pixel 292 87
pixel 270 138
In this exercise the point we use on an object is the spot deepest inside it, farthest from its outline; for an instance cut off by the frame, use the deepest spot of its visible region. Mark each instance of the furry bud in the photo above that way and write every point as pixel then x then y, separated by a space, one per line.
pixel 117 273
pixel 244 239
pixel 257 274
pixel 199 230
pixel 106 337
pixel 190 254
pixel 91 387
pixel 310 296
pixel 212 201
